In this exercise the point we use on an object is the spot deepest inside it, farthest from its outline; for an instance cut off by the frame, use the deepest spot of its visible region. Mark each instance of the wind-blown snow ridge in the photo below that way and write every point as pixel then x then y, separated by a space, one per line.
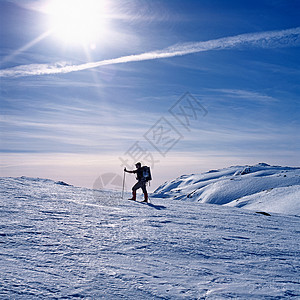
pixel 272 188
pixel 31 180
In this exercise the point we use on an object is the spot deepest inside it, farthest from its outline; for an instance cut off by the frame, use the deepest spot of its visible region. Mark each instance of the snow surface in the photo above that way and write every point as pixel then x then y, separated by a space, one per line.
pixel 273 189
pixel 59 241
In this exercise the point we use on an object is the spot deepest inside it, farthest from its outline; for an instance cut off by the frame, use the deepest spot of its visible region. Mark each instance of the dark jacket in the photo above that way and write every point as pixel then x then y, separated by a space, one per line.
pixel 139 174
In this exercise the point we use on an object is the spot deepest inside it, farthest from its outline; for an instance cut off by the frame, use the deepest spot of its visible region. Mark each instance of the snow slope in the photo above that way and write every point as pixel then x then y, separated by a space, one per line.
pixel 271 188
pixel 61 242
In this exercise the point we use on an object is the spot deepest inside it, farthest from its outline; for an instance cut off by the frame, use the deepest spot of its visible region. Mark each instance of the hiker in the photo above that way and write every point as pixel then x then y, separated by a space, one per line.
pixel 141 182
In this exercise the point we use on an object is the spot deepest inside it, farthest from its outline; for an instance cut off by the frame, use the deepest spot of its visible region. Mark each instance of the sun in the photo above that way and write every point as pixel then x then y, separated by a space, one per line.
pixel 78 21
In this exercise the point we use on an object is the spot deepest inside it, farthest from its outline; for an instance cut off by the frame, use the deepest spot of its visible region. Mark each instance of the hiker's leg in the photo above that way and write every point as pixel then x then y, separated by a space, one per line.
pixel 134 188
pixel 133 195
pixel 145 197
pixel 145 192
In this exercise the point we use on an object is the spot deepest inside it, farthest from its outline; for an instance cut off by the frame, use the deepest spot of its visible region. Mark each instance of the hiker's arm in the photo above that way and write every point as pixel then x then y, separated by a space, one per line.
pixel 129 171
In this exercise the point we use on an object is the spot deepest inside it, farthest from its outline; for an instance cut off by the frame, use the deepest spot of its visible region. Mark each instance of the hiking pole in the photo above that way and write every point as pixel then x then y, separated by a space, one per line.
pixel 123 185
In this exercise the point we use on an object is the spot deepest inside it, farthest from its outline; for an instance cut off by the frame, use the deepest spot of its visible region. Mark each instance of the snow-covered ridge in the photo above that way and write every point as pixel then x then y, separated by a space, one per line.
pixel 271 188
pixel 32 180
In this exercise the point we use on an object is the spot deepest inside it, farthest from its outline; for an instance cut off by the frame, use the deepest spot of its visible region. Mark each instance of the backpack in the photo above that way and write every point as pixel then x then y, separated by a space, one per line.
pixel 147 173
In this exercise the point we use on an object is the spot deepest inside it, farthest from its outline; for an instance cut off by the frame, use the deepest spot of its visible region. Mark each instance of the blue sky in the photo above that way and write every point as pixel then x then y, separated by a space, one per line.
pixel 76 100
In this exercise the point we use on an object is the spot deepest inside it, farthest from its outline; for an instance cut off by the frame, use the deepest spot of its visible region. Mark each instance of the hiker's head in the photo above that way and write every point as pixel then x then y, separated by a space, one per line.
pixel 138 165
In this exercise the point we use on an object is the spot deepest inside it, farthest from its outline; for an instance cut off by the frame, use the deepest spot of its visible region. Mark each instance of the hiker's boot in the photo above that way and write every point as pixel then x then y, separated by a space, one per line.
pixel 146 197
pixel 133 196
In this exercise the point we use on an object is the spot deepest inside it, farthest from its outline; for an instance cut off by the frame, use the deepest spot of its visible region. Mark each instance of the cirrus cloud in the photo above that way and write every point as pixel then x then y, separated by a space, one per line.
pixel 266 39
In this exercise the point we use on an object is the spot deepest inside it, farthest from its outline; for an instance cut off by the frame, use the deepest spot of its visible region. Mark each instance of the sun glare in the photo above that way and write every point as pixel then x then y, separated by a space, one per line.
pixel 78 21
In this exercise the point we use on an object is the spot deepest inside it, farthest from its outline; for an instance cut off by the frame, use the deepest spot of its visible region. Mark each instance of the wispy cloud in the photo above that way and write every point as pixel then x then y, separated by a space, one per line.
pixel 246 95
pixel 267 39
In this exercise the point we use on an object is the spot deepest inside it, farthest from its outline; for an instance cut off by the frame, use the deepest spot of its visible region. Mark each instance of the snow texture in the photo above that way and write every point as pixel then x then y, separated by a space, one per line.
pixel 273 189
pixel 63 242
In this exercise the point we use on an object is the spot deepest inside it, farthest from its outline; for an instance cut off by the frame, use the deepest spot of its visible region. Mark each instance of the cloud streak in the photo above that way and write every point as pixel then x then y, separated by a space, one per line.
pixel 267 39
